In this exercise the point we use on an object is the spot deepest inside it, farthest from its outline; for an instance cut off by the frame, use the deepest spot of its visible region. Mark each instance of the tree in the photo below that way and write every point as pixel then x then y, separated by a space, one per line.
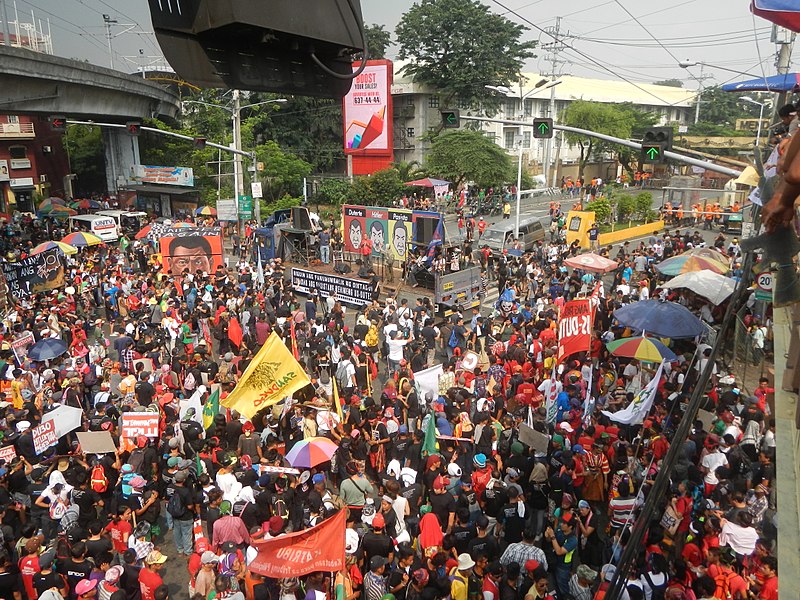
pixel 723 108
pixel 378 41
pixel 409 171
pixel 84 146
pixel 378 189
pixel 465 155
pixel 608 119
pixel 669 83
pixel 283 172
pixel 459 46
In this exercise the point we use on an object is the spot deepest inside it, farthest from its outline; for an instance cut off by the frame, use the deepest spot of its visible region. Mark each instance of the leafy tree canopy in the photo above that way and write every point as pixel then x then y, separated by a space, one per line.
pixel 465 155
pixel 723 108
pixel 378 189
pixel 283 172
pixel 609 119
pixel 87 159
pixel 460 46
pixel 378 40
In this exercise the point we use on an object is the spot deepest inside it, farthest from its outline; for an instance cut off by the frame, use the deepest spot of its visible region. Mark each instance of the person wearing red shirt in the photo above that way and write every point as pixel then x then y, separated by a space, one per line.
pixel 761 392
pixel 29 565
pixel 120 529
pixel 769 569
pixel 149 579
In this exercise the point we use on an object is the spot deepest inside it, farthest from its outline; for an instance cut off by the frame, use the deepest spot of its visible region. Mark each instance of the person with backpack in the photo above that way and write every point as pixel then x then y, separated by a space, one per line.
pixel 55 499
pixel 181 506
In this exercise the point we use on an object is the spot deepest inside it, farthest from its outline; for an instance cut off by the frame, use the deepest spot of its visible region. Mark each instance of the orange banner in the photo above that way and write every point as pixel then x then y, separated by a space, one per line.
pixel 320 548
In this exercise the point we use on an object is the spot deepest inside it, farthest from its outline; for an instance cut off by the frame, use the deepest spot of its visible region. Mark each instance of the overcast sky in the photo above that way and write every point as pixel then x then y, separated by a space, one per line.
pixel 719 32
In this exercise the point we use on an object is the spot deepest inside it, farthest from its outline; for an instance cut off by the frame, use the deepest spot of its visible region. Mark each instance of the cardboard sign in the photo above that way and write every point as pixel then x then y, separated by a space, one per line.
pixel 139 423
pixel 21 344
pixel 261 469
pixel 147 362
pixel 96 442
pixel 44 436
pixel 707 418
pixel 533 439
pixel 8 453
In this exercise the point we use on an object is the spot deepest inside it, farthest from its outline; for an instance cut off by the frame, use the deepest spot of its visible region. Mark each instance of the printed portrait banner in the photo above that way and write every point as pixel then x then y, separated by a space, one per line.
pixel 37 273
pixel 21 344
pixel 139 423
pixel 44 436
pixel 400 232
pixel 159 230
pixel 352 291
pixel 376 228
pixel 353 227
pixel 193 252
pixel 320 548
pixel 272 375
pixel 575 328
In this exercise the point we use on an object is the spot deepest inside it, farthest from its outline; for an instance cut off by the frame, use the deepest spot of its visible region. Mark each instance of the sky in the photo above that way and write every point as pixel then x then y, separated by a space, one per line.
pixel 617 34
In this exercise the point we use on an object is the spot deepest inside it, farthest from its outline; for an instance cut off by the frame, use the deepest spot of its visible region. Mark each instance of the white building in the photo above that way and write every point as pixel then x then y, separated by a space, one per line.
pixel 416 112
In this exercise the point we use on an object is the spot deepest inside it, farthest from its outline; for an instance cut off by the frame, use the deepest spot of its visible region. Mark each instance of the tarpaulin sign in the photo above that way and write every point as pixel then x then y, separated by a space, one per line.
pixel 575 328
pixel 37 273
pixel 21 344
pixel 139 423
pixel 44 436
pixel 320 548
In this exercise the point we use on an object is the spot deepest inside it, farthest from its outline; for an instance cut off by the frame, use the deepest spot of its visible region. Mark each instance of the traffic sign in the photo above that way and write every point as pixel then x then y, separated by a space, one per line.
pixel 58 123
pixel 764 284
pixel 451 119
pixel 652 153
pixel 255 189
pixel 658 136
pixel 245 207
pixel 543 128
pixel 133 127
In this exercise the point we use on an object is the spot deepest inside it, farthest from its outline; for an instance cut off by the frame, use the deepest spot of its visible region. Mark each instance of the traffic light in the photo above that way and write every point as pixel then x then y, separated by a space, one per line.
pixel 199 143
pixel 58 123
pixel 656 141
pixel 133 127
pixel 451 119
pixel 237 44
pixel 543 128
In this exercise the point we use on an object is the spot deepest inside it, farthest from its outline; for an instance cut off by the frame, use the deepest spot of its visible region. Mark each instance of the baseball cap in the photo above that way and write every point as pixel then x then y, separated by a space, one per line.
pixel 85 586
pixel 209 558
pixel 480 460
pixel 113 574
pixel 154 558
pixel 376 562
pixel 378 522
pixel 440 483
pixel 420 577
pixel 318 478
pixel 173 461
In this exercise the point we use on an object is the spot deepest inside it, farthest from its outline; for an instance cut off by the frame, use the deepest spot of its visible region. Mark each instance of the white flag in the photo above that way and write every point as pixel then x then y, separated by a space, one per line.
pixel 588 403
pixel 259 270
pixel 637 410
pixel 552 393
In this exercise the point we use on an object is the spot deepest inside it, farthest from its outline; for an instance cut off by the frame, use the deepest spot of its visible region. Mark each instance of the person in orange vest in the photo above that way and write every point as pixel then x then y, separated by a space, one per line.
pixel 668 213
pixel 708 216
pixel 679 215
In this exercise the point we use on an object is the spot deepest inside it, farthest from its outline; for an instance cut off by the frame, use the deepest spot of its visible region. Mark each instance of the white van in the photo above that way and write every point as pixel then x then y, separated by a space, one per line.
pixel 126 220
pixel 102 226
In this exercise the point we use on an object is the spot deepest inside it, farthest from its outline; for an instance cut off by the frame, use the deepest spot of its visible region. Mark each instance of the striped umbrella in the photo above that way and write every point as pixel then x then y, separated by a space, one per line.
pixel 86 204
pixel 80 239
pixel 641 348
pixel 206 211
pixel 143 232
pixel 51 201
pixel 311 452
pixel 45 246
pixel 694 260
pixel 59 212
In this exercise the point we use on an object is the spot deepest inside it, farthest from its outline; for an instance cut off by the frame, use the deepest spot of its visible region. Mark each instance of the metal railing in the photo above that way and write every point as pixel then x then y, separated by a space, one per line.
pixel 17 129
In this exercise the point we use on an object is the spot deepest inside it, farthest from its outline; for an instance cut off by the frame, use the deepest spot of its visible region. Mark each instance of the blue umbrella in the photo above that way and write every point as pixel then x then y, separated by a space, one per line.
pixel 664 319
pixel 47 349
pixel 773 83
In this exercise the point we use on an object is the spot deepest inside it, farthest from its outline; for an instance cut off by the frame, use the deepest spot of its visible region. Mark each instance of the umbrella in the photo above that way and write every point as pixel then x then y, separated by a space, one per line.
pixel 47 349
pixel 51 201
pixel 58 212
pixel 774 83
pixel 664 319
pixel 781 12
pixel 707 284
pixel 180 224
pixel 44 246
pixel 641 348
pixel 427 182
pixel 694 260
pixel 311 452
pixel 591 262
pixel 206 211
pixel 79 239
pixel 86 204
pixel 143 232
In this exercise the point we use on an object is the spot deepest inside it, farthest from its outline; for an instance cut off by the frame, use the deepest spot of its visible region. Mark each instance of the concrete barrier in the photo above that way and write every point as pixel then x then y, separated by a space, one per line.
pixel 606 239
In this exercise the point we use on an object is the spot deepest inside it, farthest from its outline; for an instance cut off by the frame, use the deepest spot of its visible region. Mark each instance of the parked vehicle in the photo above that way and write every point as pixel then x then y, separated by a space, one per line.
pixel 500 236
pixel 102 226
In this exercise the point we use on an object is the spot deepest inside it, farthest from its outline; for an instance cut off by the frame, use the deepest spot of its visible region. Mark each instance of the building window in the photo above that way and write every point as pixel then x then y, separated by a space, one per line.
pixel 433 102
pixel 528 108
pixel 509 138
pixel 12 119
pixel 18 152
pixel 409 132
pixel 511 106
pixel 410 100
pixel 526 139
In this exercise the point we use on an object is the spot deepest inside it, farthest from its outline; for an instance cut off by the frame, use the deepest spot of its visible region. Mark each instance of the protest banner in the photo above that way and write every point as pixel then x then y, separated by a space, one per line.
pixel 8 453
pixel 427 380
pixel 575 328
pixel 139 423
pixel 533 439
pixel 96 442
pixel 345 289
pixel 37 273
pixel 193 252
pixel 272 375
pixel 44 436
pixel 21 344
pixel 320 548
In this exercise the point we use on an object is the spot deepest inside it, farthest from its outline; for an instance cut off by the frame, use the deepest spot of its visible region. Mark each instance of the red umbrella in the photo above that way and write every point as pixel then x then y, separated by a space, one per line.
pixel 783 13
pixel 591 262
pixel 143 233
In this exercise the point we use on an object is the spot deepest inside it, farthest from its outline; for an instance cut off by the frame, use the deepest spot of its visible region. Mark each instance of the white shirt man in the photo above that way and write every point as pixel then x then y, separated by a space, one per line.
pixel 710 463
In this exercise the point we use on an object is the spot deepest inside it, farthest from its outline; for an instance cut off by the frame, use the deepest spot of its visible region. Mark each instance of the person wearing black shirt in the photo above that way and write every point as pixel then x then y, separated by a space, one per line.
pixel 512 516
pixel 400 444
pixel 129 581
pixel 10 584
pixel 88 501
pixel 376 542
pixel 75 568
pixel 484 544
pixel 443 505
pixel 46 578
pixel 414 456
pixel 463 531
pixel 144 390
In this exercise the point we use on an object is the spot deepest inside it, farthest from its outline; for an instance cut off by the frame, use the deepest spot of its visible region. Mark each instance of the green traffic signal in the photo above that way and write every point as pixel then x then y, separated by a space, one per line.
pixel 450 119
pixel 652 153
pixel 543 128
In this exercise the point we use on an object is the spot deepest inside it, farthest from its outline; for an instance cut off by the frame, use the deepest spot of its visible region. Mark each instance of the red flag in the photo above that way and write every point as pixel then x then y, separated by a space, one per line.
pixel 235 333
pixel 320 548
pixel 295 351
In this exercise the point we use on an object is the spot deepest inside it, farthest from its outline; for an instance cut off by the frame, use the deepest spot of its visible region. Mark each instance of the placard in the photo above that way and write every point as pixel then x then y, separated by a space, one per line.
pixel 8 453
pixel 37 273
pixel 574 328
pixel 96 442
pixel 707 418
pixel 21 344
pixel 350 290
pixel 226 210
pixel 533 439
pixel 139 423
pixel 44 436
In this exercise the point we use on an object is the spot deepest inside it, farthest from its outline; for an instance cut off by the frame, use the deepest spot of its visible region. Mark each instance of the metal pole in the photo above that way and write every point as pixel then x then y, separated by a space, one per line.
pixel 548 157
pixel 519 187
pixel 237 159
pixel 6 31
pixel 760 117
pixel 699 94
pixel 108 39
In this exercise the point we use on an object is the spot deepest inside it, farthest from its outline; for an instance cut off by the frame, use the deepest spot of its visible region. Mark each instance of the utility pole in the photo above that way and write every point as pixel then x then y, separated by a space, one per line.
pixel 699 94
pixel 785 42
pixel 555 49
pixel 238 172
pixel 108 21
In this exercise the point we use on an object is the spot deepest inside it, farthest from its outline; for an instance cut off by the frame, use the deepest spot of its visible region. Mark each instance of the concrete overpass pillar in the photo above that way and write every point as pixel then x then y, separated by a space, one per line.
pixel 121 152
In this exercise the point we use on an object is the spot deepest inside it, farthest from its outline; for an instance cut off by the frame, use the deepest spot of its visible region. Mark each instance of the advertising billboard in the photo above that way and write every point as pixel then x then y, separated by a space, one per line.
pixel 164 175
pixel 367 110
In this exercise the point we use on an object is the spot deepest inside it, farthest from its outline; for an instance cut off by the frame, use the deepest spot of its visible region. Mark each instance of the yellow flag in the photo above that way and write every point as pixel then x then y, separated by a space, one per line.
pixel 271 376
pixel 337 403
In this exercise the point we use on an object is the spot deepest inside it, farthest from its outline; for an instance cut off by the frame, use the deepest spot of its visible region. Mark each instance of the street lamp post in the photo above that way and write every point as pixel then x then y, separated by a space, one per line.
pixel 507 91
pixel 761 106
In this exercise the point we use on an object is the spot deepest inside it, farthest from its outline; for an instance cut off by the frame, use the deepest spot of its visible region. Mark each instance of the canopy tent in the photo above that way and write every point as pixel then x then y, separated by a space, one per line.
pixel 427 182
pixel 774 83
pixel 785 13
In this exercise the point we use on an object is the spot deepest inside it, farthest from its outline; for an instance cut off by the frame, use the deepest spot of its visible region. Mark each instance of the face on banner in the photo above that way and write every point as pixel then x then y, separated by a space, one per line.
pixel 192 253
pixel 400 227
pixel 354 228
pixel 377 234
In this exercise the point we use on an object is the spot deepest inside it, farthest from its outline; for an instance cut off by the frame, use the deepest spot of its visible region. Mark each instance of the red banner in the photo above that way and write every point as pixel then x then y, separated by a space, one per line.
pixel 320 548
pixel 575 328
